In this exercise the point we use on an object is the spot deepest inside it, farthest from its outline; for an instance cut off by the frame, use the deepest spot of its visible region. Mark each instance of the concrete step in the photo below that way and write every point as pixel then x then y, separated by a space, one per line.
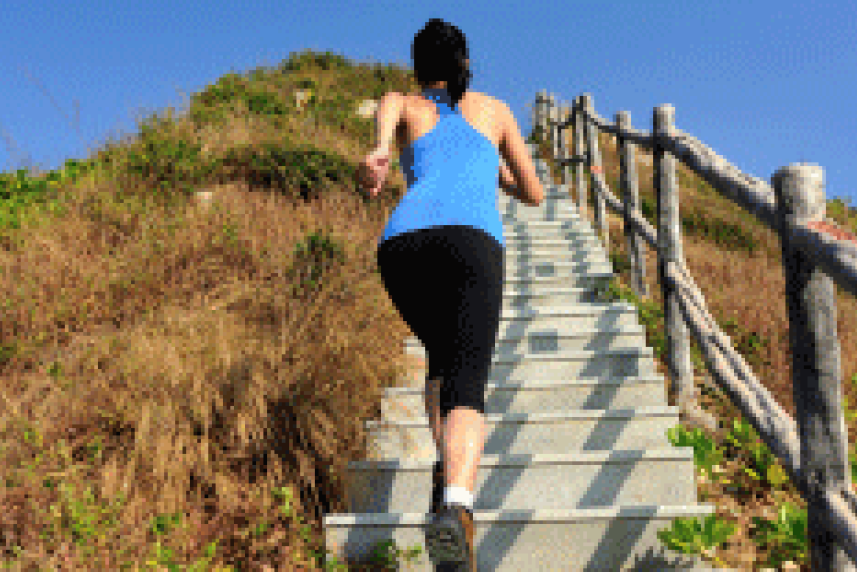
pixel 573 218
pixel 539 213
pixel 599 278
pixel 537 227
pixel 607 313
pixel 539 257
pixel 557 204
pixel 586 316
pixel 531 433
pixel 559 251
pixel 572 540
pixel 551 190
pixel 553 194
pixel 580 234
pixel 617 362
pixel 580 239
pixel 547 396
pixel 516 268
pixel 572 223
pixel 511 213
pixel 562 229
pixel 516 320
pixel 563 201
pixel 543 297
pixel 552 200
pixel 559 248
pixel 581 479
pixel 505 201
pixel 535 339
pixel 568 240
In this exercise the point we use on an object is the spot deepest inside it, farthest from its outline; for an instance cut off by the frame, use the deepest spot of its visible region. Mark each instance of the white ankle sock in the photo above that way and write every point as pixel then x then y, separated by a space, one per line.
pixel 458 495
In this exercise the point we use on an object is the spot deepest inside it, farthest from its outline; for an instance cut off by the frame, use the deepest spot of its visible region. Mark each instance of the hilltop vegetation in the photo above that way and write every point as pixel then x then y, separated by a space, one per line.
pixel 184 383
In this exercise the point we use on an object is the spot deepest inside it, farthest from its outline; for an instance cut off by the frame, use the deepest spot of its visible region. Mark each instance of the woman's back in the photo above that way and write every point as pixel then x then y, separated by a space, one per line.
pixel 420 116
pixel 488 116
pixel 450 159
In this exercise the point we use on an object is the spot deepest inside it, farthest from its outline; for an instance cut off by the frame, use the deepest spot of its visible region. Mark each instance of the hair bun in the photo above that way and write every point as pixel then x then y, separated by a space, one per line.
pixel 440 53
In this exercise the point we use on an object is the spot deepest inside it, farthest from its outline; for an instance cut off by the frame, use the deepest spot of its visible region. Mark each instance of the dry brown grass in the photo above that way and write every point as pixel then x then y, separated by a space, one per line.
pixel 198 368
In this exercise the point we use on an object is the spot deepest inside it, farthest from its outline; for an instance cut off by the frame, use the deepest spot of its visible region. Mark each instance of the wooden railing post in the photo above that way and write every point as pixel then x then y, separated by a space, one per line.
pixel 553 114
pixel 595 161
pixel 630 202
pixel 547 112
pixel 580 150
pixel 682 389
pixel 546 129
pixel 565 145
pixel 534 112
pixel 541 112
pixel 816 368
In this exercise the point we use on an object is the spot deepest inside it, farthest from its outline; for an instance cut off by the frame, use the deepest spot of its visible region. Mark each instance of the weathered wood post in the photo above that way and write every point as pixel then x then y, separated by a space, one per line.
pixel 541 112
pixel 682 389
pixel 534 115
pixel 630 202
pixel 601 228
pixel 553 116
pixel 547 127
pixel 550 112
pixel 580 150
pixel 565 114
pixel 816 368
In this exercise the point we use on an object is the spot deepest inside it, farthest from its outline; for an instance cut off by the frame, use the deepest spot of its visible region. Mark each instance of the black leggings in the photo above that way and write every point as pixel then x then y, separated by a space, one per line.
pixel 447 283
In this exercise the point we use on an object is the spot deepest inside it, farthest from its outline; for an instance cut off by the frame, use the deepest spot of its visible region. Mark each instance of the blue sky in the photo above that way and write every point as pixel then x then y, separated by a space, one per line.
pixel 764 83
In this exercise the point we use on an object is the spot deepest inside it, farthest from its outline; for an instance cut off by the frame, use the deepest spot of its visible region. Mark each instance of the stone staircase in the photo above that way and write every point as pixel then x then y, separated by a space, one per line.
pixel 577 471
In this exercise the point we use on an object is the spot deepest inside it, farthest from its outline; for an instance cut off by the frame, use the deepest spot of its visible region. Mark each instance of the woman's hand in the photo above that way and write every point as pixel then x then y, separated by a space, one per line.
pixel 507 180
pixel 373 170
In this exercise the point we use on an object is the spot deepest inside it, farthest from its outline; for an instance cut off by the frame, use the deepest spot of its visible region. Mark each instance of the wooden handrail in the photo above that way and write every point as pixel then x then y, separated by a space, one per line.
pixel 813 449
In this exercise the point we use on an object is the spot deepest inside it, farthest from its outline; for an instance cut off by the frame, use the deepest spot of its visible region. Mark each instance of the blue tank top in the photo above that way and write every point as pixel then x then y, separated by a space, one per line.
pixel 452 174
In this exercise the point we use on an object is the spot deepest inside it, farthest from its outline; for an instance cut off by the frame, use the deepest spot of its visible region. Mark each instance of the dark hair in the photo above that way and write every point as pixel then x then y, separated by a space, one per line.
pixel 439 52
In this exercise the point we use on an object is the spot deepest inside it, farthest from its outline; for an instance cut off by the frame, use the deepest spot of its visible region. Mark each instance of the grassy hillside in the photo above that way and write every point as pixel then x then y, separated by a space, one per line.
pixel 183 384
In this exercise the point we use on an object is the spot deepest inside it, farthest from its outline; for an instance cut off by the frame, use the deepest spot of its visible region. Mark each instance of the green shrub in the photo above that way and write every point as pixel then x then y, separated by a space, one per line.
pixel 690 536
pixel 307 59
pixel 786 536
pixel 313 258
pixel 265 103
pixel 706 454
pixel 301 171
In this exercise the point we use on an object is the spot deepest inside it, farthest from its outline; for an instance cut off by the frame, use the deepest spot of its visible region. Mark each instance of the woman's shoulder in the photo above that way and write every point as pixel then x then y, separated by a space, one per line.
pixel 485 102
pixel 481 102
pixel 478 95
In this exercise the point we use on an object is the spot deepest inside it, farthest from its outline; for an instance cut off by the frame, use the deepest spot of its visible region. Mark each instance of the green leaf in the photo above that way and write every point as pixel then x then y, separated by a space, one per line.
pixel 691 536
pixel 752 473
pixel 786 535
pixel 706 454
pixel 777 475
pixel 742 433
pixel 848 414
